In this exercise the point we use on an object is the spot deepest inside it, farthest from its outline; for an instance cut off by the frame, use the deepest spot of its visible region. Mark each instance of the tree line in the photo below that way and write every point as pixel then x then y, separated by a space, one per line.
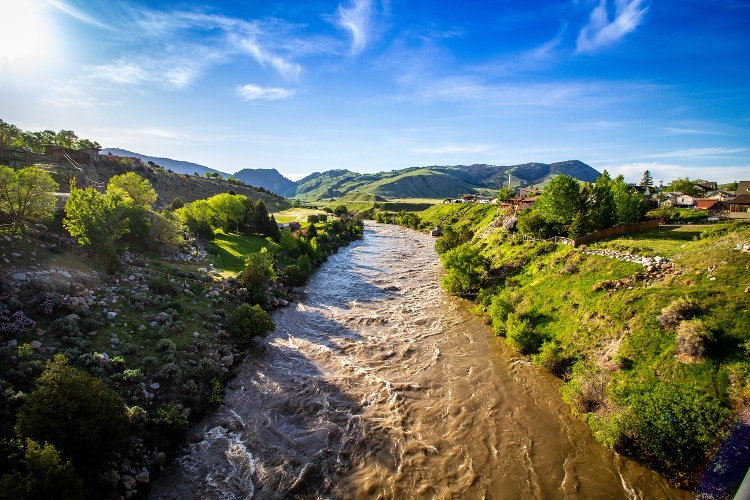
pixel 40 141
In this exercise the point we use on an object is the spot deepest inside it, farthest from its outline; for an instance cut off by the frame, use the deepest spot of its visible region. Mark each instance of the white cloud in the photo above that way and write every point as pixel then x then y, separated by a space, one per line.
pixel 255 93
pixel 356 19
pixel 602 31
pixel 287 69
pixel 666 172
pixel 699 153
pixel 690 131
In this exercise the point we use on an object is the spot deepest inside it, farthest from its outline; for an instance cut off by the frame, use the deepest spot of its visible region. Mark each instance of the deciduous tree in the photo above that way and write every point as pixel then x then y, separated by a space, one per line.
pixel 27 195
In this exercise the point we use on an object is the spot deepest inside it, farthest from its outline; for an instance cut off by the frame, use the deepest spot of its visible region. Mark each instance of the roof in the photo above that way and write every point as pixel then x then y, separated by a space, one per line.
pixel 743 187
pixel 743 199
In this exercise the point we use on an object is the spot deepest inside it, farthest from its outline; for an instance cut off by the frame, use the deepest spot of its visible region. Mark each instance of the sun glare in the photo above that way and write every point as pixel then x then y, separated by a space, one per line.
pixel 23 30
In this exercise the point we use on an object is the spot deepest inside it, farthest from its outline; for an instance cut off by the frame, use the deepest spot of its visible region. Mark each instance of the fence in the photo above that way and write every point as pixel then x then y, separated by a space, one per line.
pixel 612 231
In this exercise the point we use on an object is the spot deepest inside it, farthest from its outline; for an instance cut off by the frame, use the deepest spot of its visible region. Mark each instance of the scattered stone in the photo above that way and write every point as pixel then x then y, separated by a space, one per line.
pixel 155 386
pixel 103 360
pixel 128 481
pixel 141 328
pixel 227 360
pixel 20 277
pixel 747 290
pixel 14 343
pixel 15 254
pixel 159 458
pixel 143 477
pixel 35 344
pixel 196 335
pixel 111 315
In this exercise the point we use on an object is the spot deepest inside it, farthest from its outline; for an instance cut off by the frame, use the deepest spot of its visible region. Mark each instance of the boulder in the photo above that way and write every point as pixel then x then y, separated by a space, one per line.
pixel 111 315
pixel 128 481
pixel 35 344
pixel 227 360
pixel 20 277
pixel 143 477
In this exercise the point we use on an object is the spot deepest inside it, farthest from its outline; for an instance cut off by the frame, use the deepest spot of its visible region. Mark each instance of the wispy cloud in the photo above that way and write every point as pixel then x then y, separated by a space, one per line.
pixel 76 13
pixel 602 31
pixel 699 153
pixel 690 131
pixel 356 19
pixel 252 92
pixel 288 69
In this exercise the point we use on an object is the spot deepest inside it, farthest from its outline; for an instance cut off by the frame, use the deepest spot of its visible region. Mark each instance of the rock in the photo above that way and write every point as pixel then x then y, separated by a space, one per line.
pixel 103 360
pixel 159 458
pixel 15 254
pixel 131 278
pixel 125 466
pixel 35 344
pixel 111 315
pixel 143 477
pixel 227 360
pixel 128 481
pixel 72 317
pixel 141 328
pixel 155 386
pixel 188 292
pixel 747 290
pixel 66 274
pixel 14 343
pixel 20 277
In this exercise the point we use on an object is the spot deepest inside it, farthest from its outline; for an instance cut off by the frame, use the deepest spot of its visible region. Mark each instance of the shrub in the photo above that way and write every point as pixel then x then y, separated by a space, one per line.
pixel 498 310
pixel 519 335
pixel 551 357
pixel 674 425
pixel 47 476
pixel 586 391
pixel 77 413
pixel 249 321
pixel 294 275
pixel 466 269
pixel 681 309
pixel 691 340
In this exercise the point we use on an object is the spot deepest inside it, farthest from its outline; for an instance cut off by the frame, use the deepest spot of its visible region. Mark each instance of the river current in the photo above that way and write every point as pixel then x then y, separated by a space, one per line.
pixel 376 384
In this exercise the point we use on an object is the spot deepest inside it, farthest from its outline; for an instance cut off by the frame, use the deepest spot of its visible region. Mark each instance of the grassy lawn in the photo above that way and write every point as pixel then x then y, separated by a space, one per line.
pixel 667 241
pixel 229 250
pixel 296 215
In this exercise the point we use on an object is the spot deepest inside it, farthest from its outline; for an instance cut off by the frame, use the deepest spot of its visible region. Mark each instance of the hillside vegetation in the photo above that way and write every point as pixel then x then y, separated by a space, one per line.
pixel 654 352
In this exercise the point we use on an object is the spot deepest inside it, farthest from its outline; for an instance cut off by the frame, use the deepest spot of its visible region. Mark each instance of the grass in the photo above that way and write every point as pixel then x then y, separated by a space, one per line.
pixel 230 250
pixel 296 215
pixel 667 241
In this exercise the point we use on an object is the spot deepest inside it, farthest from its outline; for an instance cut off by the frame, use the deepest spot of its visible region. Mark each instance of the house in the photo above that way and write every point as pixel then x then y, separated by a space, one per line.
pixel 684 201
pixel 17 157
pixel 78 156
pixel 705 187
pixel 739 207
pixel 743 187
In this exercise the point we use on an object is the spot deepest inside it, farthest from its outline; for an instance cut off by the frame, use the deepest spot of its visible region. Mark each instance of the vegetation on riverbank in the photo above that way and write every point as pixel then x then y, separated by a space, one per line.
pixel 137 352
pixel 654 357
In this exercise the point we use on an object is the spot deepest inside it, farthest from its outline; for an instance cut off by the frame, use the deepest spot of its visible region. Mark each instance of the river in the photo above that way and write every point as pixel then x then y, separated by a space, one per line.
pixel 376 384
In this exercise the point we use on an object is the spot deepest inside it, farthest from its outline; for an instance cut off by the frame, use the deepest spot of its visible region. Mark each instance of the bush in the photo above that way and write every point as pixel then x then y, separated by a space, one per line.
pixel 77 413
pixel 519 335
pixel 586 391
pixel 466 269
pixel 673 425
pixel 691 340
pixel 294 276
pixel 249 321
pixel 499 309
pixel 679 310
pixel 47 476
pixel 551 357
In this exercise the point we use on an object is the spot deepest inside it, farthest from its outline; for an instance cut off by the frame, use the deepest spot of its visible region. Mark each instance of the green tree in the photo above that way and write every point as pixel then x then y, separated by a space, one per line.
pixel 531 223
pixel 505 193
pixel 561 200
pixel 27 195
pixel 133 186
pixel 9 134
pixel 249 321
pixel 66 139
pixel 602 203
pixel 198 216
pixel 47 476
pixel 466 268
pixel 629 202
pixel 260 217
pixel 87 144
pixel 79 414
pixel 684 186
pixel 228 211
pixel 647 180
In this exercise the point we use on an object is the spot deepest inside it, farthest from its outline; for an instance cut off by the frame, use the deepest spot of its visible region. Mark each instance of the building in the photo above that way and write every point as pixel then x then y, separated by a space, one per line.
pixel 739 207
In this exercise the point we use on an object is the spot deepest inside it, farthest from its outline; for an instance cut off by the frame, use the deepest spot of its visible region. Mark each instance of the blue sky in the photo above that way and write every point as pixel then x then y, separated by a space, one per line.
pixel 374 85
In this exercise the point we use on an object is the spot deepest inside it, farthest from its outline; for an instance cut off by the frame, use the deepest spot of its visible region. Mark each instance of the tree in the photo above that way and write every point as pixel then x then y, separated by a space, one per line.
pixel 77 413
pixel 9 134
pixel 629 202
pixel 197 216
pixel 66 139
pixel 260 217
pixel 47 476
pixel 684 186
pixel 531 222
pixel 561 200
pixel 228 211
pixel 647 180
pixel 27 195
pixel 602 203
pixel 505 193
pixel 87 144
pixel 249 321
pixel 466 269
pixel 133 186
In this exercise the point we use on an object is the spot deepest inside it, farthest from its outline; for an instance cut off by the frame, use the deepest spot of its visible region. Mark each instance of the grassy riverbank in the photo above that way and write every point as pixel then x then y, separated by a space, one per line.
pixel 655 359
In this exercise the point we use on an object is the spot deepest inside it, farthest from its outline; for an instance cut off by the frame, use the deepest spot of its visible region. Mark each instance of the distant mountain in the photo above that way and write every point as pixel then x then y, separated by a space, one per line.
pixel 181 167
pixel 268 178
pixel 434 181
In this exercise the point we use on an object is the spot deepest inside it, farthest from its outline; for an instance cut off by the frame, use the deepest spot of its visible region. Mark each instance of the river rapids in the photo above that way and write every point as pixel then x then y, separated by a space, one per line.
pixel 376 384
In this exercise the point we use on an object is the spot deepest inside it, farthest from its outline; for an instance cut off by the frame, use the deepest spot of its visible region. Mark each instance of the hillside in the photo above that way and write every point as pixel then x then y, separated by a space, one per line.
pixel 168 185
pixel 267 178
pixel 179 166
pixel 435 182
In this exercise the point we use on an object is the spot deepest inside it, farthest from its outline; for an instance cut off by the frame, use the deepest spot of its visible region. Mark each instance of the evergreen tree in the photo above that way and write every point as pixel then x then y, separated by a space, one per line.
pixel 647 180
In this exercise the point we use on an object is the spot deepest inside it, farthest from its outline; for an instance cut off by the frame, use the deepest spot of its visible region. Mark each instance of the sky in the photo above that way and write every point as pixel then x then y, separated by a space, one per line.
pixel 379 85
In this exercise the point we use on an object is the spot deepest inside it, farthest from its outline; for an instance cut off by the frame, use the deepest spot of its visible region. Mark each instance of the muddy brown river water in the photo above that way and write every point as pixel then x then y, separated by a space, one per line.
pixel 376 384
